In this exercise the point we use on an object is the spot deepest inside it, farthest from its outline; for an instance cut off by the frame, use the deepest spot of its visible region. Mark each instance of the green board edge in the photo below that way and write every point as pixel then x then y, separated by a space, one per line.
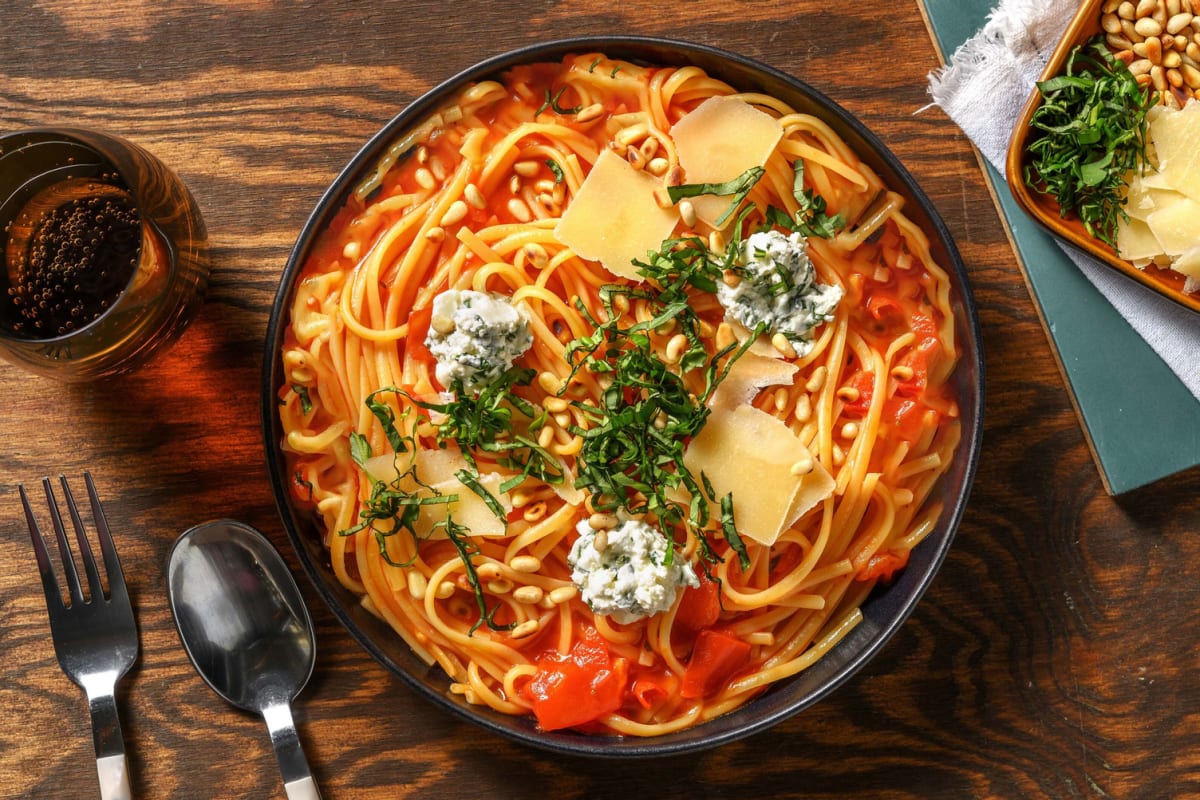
pixel 1140 419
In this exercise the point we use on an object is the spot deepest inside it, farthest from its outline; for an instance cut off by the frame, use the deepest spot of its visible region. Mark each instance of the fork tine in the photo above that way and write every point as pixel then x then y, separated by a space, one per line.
pixel 64 547
pixel 95 590
pixel 45 566
pixel 112 564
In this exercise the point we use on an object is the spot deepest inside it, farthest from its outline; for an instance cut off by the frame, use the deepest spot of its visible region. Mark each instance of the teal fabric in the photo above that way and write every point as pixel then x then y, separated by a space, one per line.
pixel 1142 421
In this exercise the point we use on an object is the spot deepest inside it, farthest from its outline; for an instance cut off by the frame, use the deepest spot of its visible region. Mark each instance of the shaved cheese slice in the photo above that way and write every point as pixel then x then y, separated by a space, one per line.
pixel 1188 263
pixel 1175 135
pixel 1136 241
pixel 750 453
pixel 719 140
pixel 436 469
pixel 1176 227
pixel 615 217
pixel 748 376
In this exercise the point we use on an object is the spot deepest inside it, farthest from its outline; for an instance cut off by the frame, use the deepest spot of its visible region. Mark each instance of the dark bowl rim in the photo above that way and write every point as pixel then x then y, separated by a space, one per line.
pixel 711 733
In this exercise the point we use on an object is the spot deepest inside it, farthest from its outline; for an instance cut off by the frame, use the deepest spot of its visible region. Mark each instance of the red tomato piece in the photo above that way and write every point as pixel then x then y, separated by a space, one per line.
pixel 577 688
pixel 715 658
pixel 700 606
pixel 883 566
pixel 864 383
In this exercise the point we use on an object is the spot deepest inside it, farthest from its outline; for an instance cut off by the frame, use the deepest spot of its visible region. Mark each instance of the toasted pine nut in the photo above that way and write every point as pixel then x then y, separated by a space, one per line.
pixel 500 586
pixel 848 393
pixel 725 336
pixel 442 324
pixel 781 343
pixel 537 255
pixel 555 404
pixel 850 430
pixel 731 278
pixel 435 234
pixel 474 196
pixel 781 398
pixel 902 372
pixel 351 250
pixel 528 594
pixel 562 594
pixel 457 212
pixel 600 541
pixel 527 169
pixel 545 437
pixel 802 466
pixel 444 590
pixel 526 564
pixel 422 155
pixel 526 628
pixel 803 410
pixel 657 166
pixel 816 380
pixel 488 571
pixel 516 207
pixel 687 213
pixel 674 349
pixel 425 178
pixel 550 383
pixel 417 584
pixel 602 521
pixel 594 111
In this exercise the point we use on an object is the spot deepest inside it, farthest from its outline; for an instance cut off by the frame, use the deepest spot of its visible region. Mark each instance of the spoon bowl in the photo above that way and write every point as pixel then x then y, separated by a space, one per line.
pixel 244 625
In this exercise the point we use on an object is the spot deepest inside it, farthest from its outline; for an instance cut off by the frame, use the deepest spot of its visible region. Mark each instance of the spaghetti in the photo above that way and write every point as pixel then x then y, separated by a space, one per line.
pixel 631 372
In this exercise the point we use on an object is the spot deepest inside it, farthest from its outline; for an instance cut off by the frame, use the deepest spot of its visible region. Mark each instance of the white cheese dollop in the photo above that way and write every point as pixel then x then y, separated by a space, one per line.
pixel 476 336
pixel 779 287
pixel 630 578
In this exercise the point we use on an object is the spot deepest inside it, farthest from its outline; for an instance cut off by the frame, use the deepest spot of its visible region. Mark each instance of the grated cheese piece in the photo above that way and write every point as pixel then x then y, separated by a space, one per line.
pixel 615 217
pixel 719 140
pixel 750 453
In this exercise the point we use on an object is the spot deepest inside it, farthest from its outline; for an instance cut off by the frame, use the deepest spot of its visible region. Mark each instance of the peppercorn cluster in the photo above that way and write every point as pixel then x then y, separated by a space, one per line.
pixel 78 260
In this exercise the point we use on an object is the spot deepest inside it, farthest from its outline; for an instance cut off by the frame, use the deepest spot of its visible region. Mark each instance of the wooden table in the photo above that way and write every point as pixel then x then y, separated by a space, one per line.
pixel 1055 654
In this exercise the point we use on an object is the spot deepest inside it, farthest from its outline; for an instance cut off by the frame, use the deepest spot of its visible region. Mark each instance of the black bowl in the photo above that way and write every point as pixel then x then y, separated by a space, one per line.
pixel 884 611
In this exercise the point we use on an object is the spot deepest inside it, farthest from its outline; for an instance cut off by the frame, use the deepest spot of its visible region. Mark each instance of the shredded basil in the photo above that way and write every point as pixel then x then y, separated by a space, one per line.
pixel 738 187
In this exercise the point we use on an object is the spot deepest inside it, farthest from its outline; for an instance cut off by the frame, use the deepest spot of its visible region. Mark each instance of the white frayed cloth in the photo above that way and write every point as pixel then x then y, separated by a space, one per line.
pixel 984 88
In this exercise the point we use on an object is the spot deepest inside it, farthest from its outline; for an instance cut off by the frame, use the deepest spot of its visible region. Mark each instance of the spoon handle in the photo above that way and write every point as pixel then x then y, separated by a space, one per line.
pixel 297 779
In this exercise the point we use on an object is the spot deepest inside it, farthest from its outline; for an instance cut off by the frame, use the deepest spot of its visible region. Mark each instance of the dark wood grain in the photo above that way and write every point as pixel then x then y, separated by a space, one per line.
pixel 1055 656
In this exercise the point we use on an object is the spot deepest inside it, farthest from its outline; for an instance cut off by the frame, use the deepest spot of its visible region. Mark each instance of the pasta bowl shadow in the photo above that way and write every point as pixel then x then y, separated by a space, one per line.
pixel 883 612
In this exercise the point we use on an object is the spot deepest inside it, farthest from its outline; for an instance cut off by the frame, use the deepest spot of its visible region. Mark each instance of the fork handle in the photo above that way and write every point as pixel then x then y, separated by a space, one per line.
pixel 110 747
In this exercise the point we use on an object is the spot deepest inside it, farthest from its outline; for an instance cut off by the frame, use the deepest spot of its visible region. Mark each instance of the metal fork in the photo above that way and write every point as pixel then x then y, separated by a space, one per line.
pixel 96 639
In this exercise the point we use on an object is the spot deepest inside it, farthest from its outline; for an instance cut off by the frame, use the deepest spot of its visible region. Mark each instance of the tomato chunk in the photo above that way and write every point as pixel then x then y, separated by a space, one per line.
pixel 883 566
pixel 577 688
pixel 700 605
pixel 715 658
pixel 418 329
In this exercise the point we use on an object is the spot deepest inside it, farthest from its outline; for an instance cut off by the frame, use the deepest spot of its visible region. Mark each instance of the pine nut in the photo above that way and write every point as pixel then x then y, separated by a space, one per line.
pixel 545 437
pixel 474 196
pixel 425 178
pixel 1127 11
pixel 550 383
pixel 417 584
pixel 600 541
pixel 500 586
pixel 525 564
pixel 527 169
pixel 555 404
pixel 601 521
pixel 816 380
pixel 537 255
pixel 725 336
pixel 902 372
pixel 802 467
pixel 562 594
pixel 675 348
pixel 687 213
pixel 657 166
pixel 528 594
pixel 1177 23
pixel 456 213
pixel 435 234
pixel 781 343
pixel 519 210
pixel 1148 26
pixel 850 430
pixel 848 394
pixel 525 629
pixel 444 590
pixel 488 571
pixel 803 410
pixel 442 324
pixel 594 111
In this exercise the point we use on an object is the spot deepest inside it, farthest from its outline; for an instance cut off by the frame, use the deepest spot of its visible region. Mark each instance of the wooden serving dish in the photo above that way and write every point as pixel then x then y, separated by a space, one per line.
pixel 1044 209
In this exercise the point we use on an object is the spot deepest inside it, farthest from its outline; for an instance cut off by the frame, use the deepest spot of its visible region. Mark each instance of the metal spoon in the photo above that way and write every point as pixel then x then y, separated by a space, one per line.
pixel 244 625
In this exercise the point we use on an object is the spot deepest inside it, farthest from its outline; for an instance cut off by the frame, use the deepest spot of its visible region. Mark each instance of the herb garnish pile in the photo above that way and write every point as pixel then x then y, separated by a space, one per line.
pixel 1093 133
